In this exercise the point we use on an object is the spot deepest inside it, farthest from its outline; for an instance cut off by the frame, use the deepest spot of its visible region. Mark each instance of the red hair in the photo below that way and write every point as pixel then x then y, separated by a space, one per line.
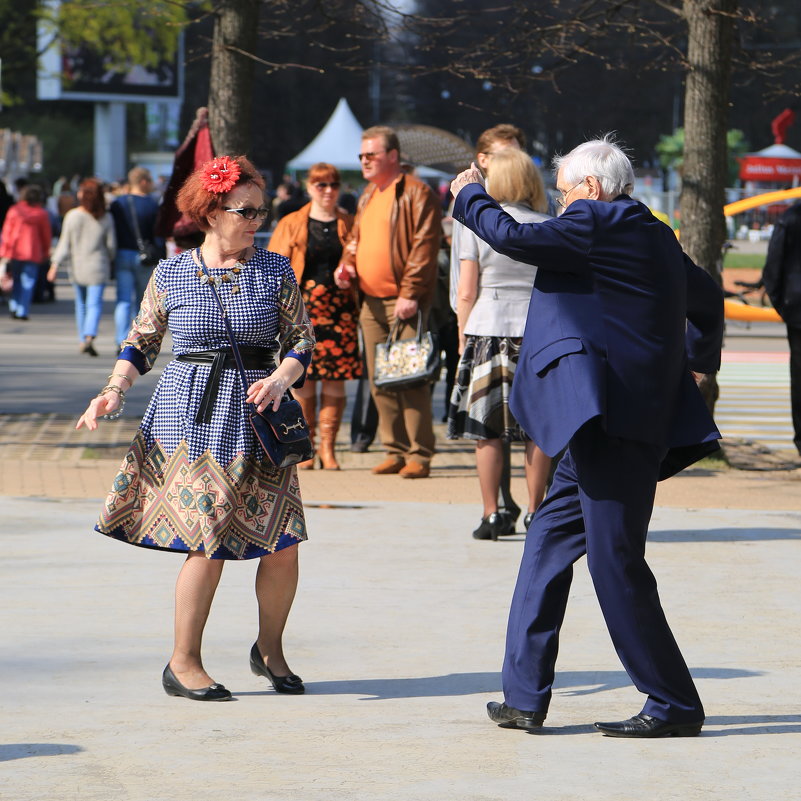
pixel 91 197
pixel 197 203
pixel 322 172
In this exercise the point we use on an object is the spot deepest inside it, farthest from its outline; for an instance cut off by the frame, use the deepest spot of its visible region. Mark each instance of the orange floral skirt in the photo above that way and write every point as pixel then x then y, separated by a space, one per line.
pixel 333 314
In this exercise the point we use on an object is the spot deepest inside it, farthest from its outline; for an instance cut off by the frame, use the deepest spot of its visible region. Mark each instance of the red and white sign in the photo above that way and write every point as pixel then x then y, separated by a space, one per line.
pixel 777 163
pixel 765 168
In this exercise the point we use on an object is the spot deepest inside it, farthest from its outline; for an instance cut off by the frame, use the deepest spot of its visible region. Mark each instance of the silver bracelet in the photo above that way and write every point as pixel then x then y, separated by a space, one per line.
pixel 118 411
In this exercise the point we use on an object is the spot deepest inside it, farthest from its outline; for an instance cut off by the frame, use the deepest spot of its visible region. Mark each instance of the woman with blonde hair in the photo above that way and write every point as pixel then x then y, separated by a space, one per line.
pixel 87 247
pixel 492 304
pixel 312 238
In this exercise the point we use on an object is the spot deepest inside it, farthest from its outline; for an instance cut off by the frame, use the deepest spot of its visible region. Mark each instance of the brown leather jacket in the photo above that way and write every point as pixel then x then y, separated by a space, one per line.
pixel 416 225
pixel 291 236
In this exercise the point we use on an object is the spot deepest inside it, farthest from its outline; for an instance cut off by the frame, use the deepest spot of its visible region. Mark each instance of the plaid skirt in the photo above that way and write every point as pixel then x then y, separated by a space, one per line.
pixel 479 405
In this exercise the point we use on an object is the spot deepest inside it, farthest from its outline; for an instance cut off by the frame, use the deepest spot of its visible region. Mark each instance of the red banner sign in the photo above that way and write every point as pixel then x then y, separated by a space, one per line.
pixel 764 168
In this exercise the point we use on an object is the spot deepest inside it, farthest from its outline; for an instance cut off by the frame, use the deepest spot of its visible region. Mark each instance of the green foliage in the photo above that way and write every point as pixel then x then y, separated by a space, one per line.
pixel 125 32
pixel 737 146
pixel 670 149
pixel 17 49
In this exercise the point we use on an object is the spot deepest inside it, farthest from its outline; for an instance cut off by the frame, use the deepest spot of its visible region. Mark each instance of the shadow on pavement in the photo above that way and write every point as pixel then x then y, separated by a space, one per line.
pixel 453 684
pixel 726 535
pixel 9 751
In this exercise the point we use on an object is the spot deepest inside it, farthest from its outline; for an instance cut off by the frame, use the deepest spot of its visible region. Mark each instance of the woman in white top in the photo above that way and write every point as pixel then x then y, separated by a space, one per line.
pixel 87 247
pixel 492 304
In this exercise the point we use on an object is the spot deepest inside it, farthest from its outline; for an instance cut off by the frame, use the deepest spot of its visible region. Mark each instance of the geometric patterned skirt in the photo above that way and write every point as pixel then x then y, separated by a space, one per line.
pixel 242 510
pixel 479 404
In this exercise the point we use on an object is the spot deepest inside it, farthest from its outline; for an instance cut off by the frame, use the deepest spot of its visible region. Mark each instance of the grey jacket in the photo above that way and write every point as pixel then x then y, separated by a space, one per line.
pixel 86 247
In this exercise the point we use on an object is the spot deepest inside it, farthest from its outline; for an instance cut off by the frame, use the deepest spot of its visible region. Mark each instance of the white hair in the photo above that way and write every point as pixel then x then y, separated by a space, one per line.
pixel 602 158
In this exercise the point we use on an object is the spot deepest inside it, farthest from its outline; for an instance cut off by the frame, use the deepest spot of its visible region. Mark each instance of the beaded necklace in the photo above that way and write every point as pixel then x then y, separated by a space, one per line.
pixel 228 277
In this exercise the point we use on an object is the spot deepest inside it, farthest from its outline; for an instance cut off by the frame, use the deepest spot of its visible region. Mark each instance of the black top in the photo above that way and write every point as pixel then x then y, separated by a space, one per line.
pixel 782 272
pixel 146 210
pixel 323 251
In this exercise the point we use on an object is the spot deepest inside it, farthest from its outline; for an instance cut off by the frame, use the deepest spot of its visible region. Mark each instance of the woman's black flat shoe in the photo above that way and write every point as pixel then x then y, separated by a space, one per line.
pixel 291 684
pixel 215 692
pixel 527 519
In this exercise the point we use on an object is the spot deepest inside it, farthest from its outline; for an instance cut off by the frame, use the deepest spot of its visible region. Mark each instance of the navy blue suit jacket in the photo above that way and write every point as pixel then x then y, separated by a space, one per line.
pixel 619 315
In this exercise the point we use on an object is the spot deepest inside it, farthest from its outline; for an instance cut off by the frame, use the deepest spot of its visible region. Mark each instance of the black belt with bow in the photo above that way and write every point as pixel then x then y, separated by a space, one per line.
pixel 223 359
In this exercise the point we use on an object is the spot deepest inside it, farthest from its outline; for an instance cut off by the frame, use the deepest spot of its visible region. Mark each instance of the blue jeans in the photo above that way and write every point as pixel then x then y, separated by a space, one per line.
pixel 25 274
pixel 88 307
pixel 132 280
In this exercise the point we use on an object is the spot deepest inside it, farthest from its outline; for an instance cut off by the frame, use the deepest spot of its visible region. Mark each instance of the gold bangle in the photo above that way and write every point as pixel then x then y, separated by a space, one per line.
pixel 121 375
pixel 112 388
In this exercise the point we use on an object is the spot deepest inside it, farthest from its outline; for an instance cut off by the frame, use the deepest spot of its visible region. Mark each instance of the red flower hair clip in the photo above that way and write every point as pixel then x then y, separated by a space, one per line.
pixel 220 175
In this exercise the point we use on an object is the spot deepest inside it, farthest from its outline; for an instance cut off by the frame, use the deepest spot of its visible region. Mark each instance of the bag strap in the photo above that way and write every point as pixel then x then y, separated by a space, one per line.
pixel 394 331
pixel 140 243
pixel 240 366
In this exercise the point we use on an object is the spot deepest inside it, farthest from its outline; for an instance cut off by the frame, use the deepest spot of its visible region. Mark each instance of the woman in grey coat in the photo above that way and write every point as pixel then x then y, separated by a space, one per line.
pixel 86 247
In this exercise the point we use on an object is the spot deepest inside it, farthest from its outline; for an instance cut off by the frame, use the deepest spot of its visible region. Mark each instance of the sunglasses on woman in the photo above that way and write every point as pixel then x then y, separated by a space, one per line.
pixel 322 185
pixel 249 213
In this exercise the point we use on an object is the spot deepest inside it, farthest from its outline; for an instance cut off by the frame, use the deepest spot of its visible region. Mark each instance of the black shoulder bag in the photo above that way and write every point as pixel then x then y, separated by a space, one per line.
pixel 282 433
pixel 149 252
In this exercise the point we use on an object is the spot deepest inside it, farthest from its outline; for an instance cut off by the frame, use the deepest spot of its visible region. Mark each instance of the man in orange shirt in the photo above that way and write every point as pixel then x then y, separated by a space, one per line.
pixel 393 255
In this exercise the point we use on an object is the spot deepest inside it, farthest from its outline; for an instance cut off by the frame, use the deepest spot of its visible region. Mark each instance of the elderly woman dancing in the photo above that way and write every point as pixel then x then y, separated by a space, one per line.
pixel 195 479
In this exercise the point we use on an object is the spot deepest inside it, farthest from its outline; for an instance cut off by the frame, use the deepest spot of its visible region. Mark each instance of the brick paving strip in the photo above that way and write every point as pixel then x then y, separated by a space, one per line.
pixel 42 455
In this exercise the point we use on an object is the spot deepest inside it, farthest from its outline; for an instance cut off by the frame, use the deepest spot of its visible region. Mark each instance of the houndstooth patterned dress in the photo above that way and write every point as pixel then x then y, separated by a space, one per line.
pixel 208 487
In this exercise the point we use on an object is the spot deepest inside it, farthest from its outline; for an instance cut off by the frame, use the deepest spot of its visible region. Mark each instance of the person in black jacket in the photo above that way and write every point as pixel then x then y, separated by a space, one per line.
pixel 131 274
pixel 782 279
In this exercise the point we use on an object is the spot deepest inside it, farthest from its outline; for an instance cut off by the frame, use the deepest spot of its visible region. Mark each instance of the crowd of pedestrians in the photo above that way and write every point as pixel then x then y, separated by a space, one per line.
pixel 87 231
pixel 392 254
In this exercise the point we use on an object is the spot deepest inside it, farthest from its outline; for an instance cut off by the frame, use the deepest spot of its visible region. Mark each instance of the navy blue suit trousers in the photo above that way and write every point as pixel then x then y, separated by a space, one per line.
pixel 599 504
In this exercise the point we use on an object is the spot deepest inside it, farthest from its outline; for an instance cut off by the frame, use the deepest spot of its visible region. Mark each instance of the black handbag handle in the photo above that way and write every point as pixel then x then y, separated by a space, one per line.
pixel 394 331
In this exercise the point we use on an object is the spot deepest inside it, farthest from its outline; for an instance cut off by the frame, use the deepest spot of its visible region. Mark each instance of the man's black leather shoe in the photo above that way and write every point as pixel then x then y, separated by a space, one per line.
pixel 507 717
pixel 647 726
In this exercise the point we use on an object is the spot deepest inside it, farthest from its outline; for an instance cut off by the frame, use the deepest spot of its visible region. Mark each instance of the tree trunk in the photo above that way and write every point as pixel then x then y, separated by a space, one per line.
pixel 710 25
pixel 231 81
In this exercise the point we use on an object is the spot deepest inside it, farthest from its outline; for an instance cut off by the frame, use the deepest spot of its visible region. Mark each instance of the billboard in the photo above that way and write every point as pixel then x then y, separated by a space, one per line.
pixel 80 73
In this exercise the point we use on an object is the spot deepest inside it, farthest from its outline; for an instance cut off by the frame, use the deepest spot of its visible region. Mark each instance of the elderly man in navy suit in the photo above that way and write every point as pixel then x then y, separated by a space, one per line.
pixel 621 325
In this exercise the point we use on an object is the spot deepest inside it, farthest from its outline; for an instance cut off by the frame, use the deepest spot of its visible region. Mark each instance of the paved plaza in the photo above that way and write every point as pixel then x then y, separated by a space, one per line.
pixel 397 630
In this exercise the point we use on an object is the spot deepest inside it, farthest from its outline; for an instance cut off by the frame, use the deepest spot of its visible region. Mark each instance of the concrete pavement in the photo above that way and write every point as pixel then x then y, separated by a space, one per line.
pixel 397 630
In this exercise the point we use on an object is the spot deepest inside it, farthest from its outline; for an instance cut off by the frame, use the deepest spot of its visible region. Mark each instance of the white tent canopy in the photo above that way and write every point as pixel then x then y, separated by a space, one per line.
pixel 777 152
pixel 337 143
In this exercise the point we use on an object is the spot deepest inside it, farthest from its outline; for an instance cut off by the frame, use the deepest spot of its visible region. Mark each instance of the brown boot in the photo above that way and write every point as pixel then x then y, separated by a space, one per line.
pixel 391 465
pixel 331 409
pixel 309 408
